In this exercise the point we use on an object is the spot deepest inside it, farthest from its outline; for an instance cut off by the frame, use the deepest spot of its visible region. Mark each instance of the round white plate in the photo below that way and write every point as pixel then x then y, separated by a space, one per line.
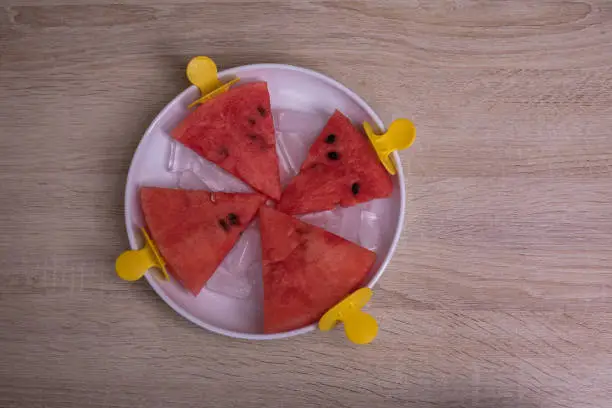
pixel 302 100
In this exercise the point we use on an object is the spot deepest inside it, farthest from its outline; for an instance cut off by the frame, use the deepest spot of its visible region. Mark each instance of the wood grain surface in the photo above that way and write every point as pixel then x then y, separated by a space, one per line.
pixel 500 293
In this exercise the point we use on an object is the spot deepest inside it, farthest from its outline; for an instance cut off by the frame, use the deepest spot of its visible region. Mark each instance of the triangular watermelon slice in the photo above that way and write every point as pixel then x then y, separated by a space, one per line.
pixel 235 130
pixel 341 169
pixel 306 270
pixel 194 230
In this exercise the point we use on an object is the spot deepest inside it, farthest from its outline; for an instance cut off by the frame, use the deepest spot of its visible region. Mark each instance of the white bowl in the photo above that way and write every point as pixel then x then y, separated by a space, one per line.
pixel 302 101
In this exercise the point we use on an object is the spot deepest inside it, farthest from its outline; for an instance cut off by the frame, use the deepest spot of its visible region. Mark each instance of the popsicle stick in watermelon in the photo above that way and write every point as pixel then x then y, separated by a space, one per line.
pixel 306 270
pixel 341 169
pixel 235 130
pixel 194 229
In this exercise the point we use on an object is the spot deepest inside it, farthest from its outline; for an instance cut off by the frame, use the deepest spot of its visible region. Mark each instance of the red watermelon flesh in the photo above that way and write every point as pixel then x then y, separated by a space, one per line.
pixel 235 130
pixel 306 270
pixel 194 230
pixel 342 168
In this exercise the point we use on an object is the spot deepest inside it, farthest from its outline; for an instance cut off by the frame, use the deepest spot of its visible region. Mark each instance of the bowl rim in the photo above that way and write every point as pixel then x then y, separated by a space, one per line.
pixel 257 336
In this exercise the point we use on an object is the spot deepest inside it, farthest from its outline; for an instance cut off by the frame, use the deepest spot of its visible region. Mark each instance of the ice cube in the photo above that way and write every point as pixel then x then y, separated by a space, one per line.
pixel 235 276
pixel 370 226
pixel 295 132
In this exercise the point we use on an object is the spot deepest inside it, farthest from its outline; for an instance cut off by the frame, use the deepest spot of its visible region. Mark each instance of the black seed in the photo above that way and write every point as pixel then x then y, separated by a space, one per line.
pixel 262 111
pixel 333 155
pixel 224 152
pixel 251 121
pixel 355 188
pixel 331 138
pixel 224 225
pixel 233 219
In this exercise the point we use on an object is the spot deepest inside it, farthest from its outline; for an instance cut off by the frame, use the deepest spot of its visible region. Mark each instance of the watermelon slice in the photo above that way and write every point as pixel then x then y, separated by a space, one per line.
pixel 306 270
pixel 341 169
pixel 235 130
pixel 194 230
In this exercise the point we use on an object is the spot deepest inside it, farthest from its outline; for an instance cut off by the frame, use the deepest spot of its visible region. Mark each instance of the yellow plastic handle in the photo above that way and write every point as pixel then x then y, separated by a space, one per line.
pixel 132 265
pixel 400 135
pixel 360 327
pixel 202 72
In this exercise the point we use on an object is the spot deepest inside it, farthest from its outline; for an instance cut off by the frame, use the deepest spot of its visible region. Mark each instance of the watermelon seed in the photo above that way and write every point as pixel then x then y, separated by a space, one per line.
pixel 331 138
pixel 253 137
pixel 224 225
pixel 355 188
pixel 251 121
pixel 233 219
pixel 224 152
pixel 212 197
pixel 333 155
pixel 262 111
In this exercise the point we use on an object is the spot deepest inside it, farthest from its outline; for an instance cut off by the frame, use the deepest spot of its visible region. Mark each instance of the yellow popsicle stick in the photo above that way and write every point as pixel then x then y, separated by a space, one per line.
pixel 202 72
pixel 132 265
pixel 221 89
pixel 400 135
pixel 360 327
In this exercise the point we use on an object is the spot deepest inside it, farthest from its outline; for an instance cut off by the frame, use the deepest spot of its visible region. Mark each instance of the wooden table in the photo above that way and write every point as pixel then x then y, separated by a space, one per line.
pixel 500 293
